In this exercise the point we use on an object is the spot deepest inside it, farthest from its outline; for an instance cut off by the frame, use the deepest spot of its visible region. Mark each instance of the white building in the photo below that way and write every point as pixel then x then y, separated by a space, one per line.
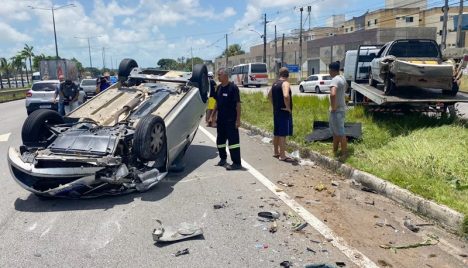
pixel 421 4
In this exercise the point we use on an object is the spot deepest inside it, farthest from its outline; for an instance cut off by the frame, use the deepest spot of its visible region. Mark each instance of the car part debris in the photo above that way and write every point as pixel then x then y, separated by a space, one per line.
pixel 286 264
pixel 430 241
pixel 170 234
pixel 300 226
pixel 220 205
pixel 272 215
pixel 311 250
pixel 340 264
pixel 182 252
pixel 320 265
pixel 407 223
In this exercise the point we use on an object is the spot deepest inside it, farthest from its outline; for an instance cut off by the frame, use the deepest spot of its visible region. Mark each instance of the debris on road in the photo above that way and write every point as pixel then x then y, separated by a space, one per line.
pixel 272 215
pixel 304 162
pixel 367 189
pixel 370 203
pixel 220 205
pixel 299 196
pixel 340 264
pixel 320 187
pixel 430 241
pixel 311 250
pixel 266 140
pixel 287 184
pixel 335 183
pixel 320 265
pixel 286 264
pixel 261 246
pixel 170 234
pixel 384 263
pixel 278 190
pixel 407 223
pixel 299 227
pixel 182 252
pixel 274 227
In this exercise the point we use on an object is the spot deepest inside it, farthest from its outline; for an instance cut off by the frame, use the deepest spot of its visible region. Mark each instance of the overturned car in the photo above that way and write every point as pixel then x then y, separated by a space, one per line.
pixel 125 139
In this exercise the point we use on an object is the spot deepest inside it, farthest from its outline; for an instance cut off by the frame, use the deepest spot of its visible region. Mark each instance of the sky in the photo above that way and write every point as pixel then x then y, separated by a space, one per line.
pixel 148 30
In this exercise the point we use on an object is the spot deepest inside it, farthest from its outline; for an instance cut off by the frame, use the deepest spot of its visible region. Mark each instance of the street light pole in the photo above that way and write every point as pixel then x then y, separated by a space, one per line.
pixel 53 21
pixel 89 47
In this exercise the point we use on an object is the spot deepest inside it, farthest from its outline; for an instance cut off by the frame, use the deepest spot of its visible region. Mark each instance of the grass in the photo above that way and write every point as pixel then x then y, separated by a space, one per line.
pixel 11 95
pixel 426 155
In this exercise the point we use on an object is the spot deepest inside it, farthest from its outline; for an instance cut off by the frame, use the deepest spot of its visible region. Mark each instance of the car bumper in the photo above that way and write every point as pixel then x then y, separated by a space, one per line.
pixel 324 88
pixel 43 105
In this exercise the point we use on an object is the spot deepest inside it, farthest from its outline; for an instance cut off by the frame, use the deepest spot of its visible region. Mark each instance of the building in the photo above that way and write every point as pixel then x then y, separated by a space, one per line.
pixel 434 17
pixel 421 4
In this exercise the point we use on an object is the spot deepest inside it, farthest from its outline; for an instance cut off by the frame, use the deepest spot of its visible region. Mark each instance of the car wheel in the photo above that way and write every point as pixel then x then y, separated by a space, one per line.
pixel 149 140
pixel 200 79
pixel 317 89
pixel 372 82
pixel 452 92
pixel 389 86
pixel 35 131
pixel 125 68
pixel 301 89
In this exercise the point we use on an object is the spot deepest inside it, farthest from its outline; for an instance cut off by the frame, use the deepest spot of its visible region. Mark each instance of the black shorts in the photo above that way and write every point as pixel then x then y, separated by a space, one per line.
pixel 283 124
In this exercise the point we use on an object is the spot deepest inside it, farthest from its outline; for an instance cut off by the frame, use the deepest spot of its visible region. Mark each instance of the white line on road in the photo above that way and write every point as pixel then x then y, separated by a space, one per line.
pixel 353 254
pixel 4 137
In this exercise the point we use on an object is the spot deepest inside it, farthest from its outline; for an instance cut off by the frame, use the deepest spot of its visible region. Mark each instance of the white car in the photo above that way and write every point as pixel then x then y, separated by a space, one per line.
pixel 317 83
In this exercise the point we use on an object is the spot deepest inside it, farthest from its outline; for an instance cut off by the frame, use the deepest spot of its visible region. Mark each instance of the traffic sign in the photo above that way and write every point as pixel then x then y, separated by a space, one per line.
pixel 293 68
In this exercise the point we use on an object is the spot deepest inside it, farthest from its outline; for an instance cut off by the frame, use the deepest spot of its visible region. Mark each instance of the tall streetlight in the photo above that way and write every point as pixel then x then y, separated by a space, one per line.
pixel 53 20
pixel 89 46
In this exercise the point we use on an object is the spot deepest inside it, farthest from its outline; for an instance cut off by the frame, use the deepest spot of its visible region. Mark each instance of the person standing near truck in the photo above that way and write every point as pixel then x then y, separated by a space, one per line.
pixel 211 101
pixel 60 106
pixel 70 93
pixel 337 109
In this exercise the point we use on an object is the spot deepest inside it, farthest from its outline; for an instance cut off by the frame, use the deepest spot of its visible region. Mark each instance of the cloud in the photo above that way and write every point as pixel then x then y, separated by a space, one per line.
pixel 228 12
pixel 10 34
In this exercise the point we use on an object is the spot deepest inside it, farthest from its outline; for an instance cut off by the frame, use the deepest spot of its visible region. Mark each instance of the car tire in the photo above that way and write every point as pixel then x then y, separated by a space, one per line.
pixel 200 79
pixel 125 68
pixel 301 89
pixel 317 89
pixel 149 140
pixel 372 82
pixel 35 131
pixel 389 86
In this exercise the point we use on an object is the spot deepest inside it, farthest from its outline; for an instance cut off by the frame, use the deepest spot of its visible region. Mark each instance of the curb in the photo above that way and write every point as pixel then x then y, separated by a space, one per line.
pixel 446 217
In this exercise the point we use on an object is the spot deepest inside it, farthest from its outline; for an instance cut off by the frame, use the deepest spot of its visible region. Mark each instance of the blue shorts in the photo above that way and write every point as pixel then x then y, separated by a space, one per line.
pixel 283 124
pixel 336 121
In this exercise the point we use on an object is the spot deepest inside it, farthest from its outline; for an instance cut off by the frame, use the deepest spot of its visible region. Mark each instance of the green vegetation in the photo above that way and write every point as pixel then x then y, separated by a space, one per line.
pixel 11 95
pixel 426 155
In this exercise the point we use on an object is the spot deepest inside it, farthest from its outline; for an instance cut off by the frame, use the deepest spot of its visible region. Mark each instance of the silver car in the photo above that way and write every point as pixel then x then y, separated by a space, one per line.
pixel 125 139
pixel 317 83
pixel 88 86
pixel 41 96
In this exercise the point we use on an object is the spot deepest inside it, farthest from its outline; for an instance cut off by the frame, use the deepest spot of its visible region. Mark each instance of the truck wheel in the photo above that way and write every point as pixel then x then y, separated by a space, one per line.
pixel 372 82
pixel 200 80
pixel 317 89
pixel 149 140
pixel 389 87
pixel 35 131
pixel 452 92
pixel 125 68
pixel 301 89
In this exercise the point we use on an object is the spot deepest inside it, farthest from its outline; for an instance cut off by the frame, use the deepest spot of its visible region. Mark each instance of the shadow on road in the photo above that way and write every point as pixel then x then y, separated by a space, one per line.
pixel 196 156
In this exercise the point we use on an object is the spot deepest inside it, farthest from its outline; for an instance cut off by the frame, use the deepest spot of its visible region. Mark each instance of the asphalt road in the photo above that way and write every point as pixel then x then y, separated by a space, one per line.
pixel 116 231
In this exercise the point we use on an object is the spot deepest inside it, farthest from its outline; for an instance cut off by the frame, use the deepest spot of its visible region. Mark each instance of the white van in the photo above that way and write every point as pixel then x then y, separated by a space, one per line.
pixel 368 53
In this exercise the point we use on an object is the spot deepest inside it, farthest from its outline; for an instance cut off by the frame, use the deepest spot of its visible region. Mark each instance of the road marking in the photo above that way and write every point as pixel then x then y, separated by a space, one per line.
pixel 353 254
pixel 4 137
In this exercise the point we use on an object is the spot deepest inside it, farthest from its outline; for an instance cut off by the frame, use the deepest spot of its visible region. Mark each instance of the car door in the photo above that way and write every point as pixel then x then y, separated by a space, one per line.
pixel 313 82
pixel 306 84
pixel 375 63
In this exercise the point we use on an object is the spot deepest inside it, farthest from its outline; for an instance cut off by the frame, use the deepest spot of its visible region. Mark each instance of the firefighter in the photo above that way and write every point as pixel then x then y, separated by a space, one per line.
pixel 228 110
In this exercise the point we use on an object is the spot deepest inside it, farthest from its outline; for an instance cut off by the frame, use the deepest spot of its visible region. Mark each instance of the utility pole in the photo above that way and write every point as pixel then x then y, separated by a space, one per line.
pixel 459 26
pixel 112 64
pixel 103 57
pixel 443 43
pixel 309 9
pixel 300 47
pixel 264 39
pixel 282 51
pixel 227 51
pixel 89 51
pixel 276 54
pixel 55 34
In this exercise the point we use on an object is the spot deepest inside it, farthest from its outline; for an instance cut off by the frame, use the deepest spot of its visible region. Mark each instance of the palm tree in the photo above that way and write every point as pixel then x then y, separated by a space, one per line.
pixel 3 63
pixel 28 53
pixel 6 67
pixel 17 64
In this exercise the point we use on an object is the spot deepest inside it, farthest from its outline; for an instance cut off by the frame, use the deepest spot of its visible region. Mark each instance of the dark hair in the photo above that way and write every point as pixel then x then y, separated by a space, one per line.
pixel 284 72
pixel 334 66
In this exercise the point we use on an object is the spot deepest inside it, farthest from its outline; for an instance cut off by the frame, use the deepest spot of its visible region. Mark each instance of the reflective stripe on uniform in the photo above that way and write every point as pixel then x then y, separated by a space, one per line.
pixel 234 146
pixel 221 145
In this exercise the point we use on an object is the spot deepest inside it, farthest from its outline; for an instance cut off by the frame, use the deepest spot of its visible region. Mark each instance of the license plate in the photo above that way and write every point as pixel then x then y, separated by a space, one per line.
pixel 45 106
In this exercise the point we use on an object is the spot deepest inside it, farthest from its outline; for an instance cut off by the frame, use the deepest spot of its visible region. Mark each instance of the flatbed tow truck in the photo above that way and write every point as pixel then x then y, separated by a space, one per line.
pixel 414 100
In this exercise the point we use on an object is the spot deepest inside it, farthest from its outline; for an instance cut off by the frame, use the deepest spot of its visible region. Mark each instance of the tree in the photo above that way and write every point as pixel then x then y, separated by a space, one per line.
pixel 233 50
pixel 188 63
pixel 28 52
pixel 167 64
pixel 3 64
pixel 78 64
pixel 17 64
pixel 37 60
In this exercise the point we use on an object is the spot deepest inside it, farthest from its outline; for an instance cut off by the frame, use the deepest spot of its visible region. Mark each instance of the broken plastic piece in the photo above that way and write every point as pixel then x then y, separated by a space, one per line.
pixel 269 214
pixel 182 252
pixel 170 234
pixel 300 226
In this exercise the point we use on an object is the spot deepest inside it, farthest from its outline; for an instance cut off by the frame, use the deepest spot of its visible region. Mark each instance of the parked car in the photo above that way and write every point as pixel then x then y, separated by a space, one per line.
pixel 412 63
pixel 316 83
pixel 124 139
pixel 88 86
pixel 41 96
